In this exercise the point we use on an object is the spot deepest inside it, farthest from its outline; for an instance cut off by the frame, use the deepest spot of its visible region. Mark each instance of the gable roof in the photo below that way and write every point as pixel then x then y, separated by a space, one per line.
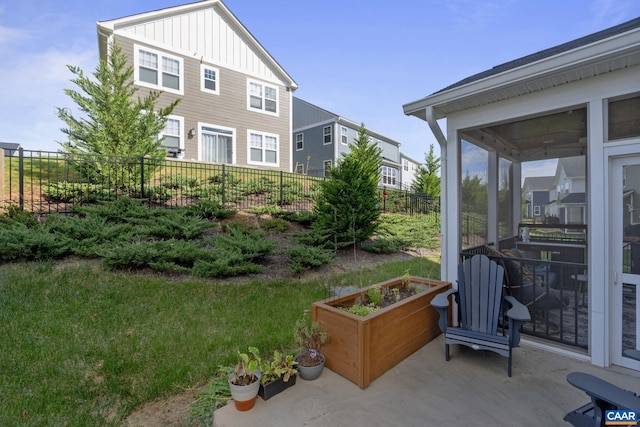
pixel 539 183
pixel 574 167
pixel 603 52
pixel 190 29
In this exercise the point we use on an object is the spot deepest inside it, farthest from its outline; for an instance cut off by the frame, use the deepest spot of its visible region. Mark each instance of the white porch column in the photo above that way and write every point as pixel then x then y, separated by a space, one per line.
pixel 450 206
pixel 516 196
pixel 493 180
pixel 597 256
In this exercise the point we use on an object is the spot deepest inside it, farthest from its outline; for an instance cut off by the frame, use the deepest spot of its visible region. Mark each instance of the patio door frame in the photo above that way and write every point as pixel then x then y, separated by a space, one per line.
pixel 618 159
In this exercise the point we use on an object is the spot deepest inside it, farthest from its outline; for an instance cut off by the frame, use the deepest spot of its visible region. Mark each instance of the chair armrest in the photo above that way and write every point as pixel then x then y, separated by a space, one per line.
pixel 442 299
pixel 517 311
pixel 602 391
pixel 441 303
pixel 518 314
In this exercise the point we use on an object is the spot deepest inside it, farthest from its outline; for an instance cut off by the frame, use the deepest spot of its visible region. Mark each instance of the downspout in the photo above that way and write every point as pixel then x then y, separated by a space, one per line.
pixel 437 132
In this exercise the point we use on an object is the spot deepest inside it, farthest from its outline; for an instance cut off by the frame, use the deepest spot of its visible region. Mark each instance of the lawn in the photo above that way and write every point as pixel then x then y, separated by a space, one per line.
pixel 84 346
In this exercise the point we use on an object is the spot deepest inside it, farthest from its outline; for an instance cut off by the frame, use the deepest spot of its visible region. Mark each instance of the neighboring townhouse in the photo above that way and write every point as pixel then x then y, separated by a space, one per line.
pixel 536 193
pixel 567 196
pixel 631 198
pixel 320 138
pixel 236 99
pixel 409 171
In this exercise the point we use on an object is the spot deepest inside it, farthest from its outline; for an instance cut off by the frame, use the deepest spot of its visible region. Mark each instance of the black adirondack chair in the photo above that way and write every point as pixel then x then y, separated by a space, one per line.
pixel 481 303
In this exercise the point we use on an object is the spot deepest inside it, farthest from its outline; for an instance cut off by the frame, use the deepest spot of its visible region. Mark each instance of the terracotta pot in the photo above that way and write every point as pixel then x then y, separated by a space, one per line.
pixel 244 396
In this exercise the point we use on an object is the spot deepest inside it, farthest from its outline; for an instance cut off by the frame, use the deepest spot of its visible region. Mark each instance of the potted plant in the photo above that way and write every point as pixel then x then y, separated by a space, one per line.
pixel 244 381
pixel 310 336
pixel 277 374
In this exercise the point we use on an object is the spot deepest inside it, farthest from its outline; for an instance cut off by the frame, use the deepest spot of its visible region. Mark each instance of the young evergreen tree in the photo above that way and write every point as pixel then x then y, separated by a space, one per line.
pixel 347 208
pixel 113 122
pixel 428 181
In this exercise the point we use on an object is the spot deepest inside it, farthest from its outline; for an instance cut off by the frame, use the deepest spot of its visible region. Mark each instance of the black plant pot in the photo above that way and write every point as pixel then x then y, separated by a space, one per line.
pixel 267 391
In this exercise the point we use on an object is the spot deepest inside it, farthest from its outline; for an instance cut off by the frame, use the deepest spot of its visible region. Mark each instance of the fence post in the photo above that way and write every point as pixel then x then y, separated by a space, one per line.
pixel 223 185
pixel 21 176
pixel 281 190
pixel 142 179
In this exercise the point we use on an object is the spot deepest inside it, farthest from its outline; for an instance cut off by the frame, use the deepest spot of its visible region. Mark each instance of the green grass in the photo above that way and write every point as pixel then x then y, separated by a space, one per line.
pixel 82 346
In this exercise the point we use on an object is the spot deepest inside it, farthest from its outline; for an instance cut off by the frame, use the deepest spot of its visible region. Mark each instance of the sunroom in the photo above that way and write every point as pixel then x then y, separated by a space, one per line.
pixel 578 270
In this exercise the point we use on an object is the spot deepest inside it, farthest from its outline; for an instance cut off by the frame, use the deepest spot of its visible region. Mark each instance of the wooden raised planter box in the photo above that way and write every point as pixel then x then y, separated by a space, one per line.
pixel 362 348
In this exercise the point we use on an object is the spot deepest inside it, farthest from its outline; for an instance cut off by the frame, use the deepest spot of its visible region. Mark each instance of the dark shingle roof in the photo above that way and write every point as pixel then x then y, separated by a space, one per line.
pixel 574 198
pixel 547 53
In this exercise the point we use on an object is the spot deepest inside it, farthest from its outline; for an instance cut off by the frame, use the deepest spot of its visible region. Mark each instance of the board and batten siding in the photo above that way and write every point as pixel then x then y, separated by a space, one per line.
pixel 228 109
pixel 204 33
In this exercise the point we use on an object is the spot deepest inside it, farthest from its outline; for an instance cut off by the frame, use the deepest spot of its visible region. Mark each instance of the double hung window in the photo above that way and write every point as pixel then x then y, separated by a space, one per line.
pixel 158 70
pixel 263 148
pixel 262 97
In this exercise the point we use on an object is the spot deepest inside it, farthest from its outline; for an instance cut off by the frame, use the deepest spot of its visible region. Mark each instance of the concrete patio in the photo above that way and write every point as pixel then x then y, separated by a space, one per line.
pixel 471 389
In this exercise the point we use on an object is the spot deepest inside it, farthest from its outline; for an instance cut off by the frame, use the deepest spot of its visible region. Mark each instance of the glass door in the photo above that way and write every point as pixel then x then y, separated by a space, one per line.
pixel 625 283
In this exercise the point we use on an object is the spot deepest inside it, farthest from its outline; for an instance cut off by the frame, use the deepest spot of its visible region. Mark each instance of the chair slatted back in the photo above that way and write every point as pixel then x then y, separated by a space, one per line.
pixel 480 289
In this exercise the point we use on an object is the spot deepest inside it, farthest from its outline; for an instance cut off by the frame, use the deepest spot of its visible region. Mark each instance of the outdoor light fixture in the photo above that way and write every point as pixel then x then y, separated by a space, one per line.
pixel 192 132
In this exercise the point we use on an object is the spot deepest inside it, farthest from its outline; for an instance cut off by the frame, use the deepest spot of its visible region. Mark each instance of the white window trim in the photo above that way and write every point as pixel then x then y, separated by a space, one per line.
pixel 233 139
pixel 160 54
pixel 344 135
pixel 323 135
pixel 301 140
pixel 386 176
pixel 217 71
pixel 181 137
pixel 325 169
pixel 263 110
pixel 263 134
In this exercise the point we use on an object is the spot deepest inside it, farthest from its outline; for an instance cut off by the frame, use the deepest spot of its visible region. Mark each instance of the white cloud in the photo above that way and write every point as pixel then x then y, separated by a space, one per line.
pixel 539 168
pixel 10 36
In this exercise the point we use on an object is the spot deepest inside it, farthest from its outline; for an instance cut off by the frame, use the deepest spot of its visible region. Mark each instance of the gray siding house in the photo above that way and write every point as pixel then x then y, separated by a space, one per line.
pixel 567 197
pixel 320 138
pixel 236 99
pixel 536 194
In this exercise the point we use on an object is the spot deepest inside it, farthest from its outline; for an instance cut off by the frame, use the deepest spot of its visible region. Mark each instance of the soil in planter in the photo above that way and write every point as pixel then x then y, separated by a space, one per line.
pixel 404 290
pixel 305 359
pixel 245 380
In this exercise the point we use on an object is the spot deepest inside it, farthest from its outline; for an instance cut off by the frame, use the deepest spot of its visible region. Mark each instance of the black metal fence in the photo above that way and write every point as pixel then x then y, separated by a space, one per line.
pixel 556 294
pixel 45 182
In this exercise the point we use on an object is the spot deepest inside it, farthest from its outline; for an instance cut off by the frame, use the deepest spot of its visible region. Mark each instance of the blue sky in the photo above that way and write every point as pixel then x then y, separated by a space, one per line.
pixel 361 59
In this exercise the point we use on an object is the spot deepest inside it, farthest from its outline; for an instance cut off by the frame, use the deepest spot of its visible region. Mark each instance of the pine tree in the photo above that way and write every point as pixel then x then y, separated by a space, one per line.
pixel 113 122
pixel 347 208
pixel 428 181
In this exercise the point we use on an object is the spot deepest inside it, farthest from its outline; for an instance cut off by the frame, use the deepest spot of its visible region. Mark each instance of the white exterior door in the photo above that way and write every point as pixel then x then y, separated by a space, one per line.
pixel 625 259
